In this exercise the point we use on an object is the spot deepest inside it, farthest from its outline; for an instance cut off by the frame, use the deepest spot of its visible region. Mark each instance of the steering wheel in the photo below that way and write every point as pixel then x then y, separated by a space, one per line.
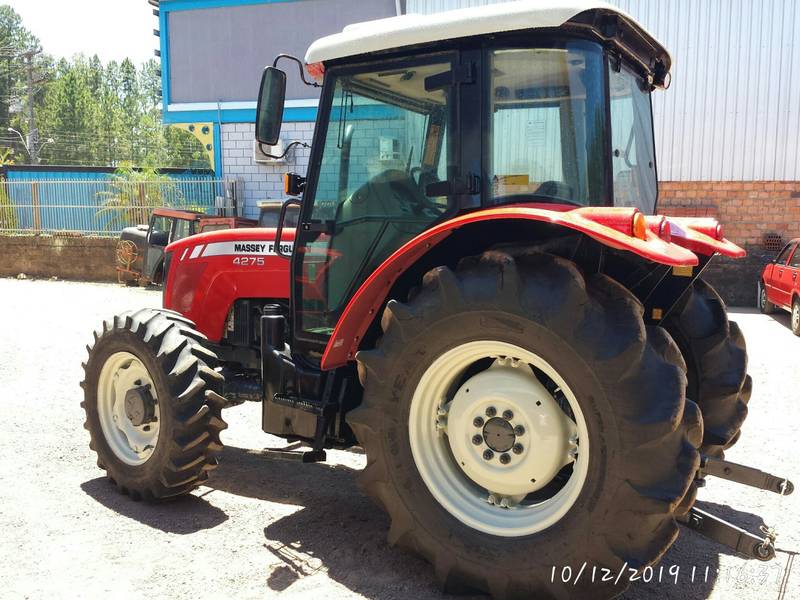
pixel 402 185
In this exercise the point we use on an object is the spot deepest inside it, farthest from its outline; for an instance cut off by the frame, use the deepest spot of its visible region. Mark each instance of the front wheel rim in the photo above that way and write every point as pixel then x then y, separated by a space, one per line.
pixel 131 441
pixel 796 316
pixel 490 484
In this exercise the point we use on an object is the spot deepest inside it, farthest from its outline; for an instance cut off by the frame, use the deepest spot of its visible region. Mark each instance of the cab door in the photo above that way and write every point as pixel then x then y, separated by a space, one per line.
pixel 779 287
pixel 157 239
pixel 384 157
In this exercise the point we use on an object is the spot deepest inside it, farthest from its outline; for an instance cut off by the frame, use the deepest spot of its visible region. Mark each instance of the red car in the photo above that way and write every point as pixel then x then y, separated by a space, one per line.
pixel 779 285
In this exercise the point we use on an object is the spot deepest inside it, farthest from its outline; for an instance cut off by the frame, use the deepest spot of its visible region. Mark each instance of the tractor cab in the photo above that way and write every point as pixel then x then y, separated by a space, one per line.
pixel 426 118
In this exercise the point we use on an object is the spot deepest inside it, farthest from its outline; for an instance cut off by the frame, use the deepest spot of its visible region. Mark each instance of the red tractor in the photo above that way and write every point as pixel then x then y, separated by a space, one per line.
pixel 140 250
pixel 478 293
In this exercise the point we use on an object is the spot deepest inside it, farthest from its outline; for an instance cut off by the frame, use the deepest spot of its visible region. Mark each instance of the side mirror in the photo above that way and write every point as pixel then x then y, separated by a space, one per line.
pixel 271 98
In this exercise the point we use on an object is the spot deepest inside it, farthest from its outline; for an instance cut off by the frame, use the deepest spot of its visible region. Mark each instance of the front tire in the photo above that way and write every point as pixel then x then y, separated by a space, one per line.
pixel 618 391
pixel 153 404
pixel 764 305
pixel 796 316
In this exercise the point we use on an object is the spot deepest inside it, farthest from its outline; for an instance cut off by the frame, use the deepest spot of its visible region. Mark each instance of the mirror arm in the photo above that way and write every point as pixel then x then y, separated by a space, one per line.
pixel 300 66
pixel 286 150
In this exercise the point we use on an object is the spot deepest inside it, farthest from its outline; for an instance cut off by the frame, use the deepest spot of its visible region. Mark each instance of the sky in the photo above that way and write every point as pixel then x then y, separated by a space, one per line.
pixel 112 29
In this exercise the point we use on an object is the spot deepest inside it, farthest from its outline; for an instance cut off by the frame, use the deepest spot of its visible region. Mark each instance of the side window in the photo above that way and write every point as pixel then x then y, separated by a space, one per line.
pixel 547 125
pixel 632 149
pixel 784 255
pixel 182 230
pixel 795 261
pixel 159 231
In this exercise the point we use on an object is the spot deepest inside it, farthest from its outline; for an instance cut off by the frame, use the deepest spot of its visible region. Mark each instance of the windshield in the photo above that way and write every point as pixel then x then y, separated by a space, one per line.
pixel 548 121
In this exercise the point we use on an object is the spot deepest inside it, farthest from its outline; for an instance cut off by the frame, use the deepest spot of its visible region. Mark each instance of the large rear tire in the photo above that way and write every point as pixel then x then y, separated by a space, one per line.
pixel 570 359
pixel 716 359
pixel 153 404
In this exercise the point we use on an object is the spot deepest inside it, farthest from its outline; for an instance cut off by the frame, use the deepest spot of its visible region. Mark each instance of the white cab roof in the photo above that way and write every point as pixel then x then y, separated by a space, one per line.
pixel 411 29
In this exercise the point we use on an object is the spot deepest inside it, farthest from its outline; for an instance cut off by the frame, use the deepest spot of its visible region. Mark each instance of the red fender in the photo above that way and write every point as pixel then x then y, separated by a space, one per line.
pixel 702 235
pixel 613 227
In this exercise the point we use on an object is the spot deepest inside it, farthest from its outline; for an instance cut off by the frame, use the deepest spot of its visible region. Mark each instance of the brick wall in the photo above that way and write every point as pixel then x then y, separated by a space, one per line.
pixel 79 258
pixel 748 211
pixel 262 181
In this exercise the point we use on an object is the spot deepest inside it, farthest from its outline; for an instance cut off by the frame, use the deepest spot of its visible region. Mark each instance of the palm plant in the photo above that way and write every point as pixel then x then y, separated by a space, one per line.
pixel 133 194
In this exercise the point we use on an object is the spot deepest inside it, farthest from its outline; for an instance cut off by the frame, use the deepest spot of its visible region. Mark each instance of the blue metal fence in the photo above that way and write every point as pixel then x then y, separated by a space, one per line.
pixel 101 204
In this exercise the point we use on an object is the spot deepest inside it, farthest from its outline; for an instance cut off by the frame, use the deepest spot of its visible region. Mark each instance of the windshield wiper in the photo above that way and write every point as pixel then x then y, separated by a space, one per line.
pixel 343 117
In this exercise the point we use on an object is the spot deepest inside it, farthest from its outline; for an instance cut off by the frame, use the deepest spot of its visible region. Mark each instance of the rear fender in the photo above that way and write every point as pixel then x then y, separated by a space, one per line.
pixel 612 227
pixel 702 235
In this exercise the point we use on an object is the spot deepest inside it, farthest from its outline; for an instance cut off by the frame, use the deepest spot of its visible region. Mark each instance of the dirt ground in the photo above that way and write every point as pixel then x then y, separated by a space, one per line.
pixel 265 528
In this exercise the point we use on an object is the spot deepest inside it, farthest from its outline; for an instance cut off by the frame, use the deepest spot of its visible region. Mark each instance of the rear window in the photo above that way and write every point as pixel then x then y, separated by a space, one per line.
pixel 214 227
pixel 269 216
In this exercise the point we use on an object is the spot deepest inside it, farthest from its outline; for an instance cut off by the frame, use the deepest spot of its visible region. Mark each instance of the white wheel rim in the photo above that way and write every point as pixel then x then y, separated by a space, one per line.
pixel 442 425
pixel 796 316
pixel 132 444
pixel 762 296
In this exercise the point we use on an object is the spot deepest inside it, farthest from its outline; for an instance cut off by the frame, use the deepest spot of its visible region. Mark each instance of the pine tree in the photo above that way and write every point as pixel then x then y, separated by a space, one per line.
pixel 96 114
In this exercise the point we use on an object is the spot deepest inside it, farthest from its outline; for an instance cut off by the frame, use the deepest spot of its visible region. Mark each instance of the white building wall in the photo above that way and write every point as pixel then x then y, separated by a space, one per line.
pixel 262 181
pixel 732 112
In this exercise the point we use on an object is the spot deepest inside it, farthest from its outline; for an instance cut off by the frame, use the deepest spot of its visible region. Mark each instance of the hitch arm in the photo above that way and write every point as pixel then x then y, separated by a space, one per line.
pixel 745 475
pixel 730 535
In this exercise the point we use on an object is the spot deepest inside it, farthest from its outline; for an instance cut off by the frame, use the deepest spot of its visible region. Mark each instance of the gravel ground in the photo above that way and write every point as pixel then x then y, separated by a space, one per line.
pixel 265 528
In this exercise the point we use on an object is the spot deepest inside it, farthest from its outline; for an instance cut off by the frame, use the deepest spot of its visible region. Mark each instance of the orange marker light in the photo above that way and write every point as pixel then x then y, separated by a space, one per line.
pixel 317 71
pixel 640 226
pixel 286 183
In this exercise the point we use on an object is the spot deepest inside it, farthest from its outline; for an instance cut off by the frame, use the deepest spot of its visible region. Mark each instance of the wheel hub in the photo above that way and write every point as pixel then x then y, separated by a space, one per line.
pixel 140 406
pixel 526 440
pixel 499 434
pixel 128 408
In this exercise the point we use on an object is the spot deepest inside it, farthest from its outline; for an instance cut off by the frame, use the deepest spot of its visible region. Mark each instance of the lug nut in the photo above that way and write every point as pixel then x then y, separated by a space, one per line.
pixel 476 439
pixel 478 422
pixel 505 459
pixel 519 430
pixel 508 415
pixel 518 448
pixel 491 411
pixel 488 455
